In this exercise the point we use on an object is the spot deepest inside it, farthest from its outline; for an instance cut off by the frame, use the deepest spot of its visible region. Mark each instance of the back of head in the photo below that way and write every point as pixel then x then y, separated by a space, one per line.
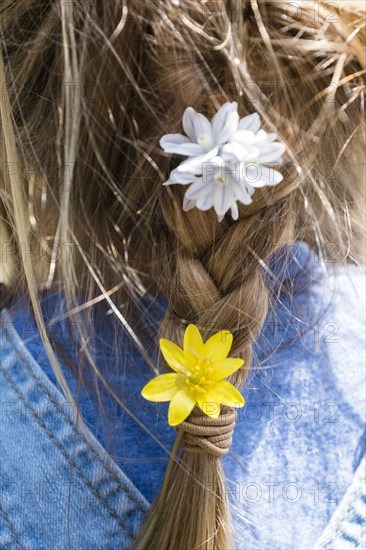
pixel 89 89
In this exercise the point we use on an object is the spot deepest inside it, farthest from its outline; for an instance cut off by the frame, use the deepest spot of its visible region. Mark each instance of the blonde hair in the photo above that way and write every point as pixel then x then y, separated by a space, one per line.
pixel 88 88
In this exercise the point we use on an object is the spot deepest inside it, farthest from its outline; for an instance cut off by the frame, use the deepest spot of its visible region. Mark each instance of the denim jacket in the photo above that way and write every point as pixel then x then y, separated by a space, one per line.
pixel 58 488
pixel 61 489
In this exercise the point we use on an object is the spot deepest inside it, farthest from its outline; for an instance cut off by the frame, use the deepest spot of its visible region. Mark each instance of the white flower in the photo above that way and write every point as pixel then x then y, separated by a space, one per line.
pixel 204 137
pixel 221 185
pixel 226 159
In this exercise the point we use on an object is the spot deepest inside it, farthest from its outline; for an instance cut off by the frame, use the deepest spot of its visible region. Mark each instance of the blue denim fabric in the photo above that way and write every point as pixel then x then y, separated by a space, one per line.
pixel 347 528
pixel 297 443
pixel 58 488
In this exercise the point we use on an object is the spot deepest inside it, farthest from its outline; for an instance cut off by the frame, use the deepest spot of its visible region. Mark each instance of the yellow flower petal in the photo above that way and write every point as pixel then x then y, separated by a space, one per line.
pixel 181 406
pixel 218 346
pixel 163 387
pixel 209 405
pixel 226 367
pixel 225 393
pixel 193 343
pixel 175 357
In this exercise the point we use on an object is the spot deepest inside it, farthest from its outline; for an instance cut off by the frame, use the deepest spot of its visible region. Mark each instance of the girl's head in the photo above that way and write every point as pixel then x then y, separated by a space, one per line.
pixel 88 89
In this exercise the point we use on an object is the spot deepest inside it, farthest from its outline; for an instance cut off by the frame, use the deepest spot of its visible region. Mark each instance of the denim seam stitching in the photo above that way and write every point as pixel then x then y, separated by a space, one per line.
pixel 10 527
pixel 338 530
pixel 65 454
pixel 82 437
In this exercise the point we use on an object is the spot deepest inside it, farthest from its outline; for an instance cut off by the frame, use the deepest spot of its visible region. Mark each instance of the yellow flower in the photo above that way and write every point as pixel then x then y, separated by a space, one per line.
pixel 200 369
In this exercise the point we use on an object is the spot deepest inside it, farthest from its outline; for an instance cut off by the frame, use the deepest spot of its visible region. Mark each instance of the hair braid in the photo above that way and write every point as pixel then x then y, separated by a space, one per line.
pixel 217 286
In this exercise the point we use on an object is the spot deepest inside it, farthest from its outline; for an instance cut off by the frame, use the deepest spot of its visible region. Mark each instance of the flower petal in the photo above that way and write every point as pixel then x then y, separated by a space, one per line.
pixel 261 176
pixel 193 343
pixel 234 211
pixel 272 136
pixel 205 202
pixel 208 404
pixel 276 176
pixel 225 393
pixel 242 193
pixel 225 122
pixel 244 137
pixel 175 357
pixel 187 149
pixel 223 198
pixel 187 204
pixel 229 128
pixel 182 178
pixel 218 345
pixel 180 145
pixel 171 141
pixel 251 122
pixel 199 189
pixel 202 125
pixel 181 406
pixel 188 126
pixel 219 119
pixel 195 164
pixel 163 387
pixel 226 367
pixel 234 152
pixel 271 152
pixel 260 137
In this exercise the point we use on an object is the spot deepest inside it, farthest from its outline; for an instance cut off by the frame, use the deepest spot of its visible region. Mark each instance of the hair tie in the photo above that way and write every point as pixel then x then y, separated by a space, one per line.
pixel 198 379
pixel 228 158
pixel 203 434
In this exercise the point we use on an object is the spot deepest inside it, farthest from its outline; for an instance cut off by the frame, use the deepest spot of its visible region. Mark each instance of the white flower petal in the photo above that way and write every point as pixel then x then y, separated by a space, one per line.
pixel 202 125
pixel 182 178
pixel 194 164
pixel 187 204
pixel 261 176
pixel 248 172
pixel 253 154
pixel 271 152
pixel 199 189
pixel 276 176
pixel 223 198
pixel 188 149
pixel 188 126
pixel 244 137
pixel 250 190
pixel 234 211
pixel 251 122
pixel 172 140
pixel 260 137
pixel 206 202
pixel 219 120
pixel 243 193
pixel 236 152
pixel 230 127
